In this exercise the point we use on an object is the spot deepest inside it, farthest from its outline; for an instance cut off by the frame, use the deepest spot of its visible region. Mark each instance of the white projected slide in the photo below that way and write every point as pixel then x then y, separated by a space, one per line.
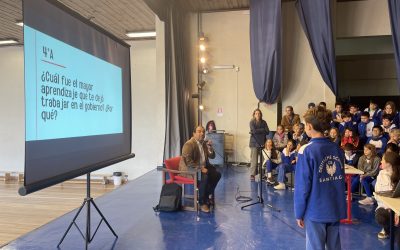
pixel 69 93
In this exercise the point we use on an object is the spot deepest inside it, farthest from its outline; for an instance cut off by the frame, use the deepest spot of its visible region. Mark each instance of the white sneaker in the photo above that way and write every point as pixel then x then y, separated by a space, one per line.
pixel 382 234
pixel 367 201
pixel 280 186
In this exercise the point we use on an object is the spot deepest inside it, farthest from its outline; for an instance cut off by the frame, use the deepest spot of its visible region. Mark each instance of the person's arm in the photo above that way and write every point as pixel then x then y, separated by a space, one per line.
pixel 209 149
pixel 303 180
pixel 278 158
pixel 187 155
pixel 258 130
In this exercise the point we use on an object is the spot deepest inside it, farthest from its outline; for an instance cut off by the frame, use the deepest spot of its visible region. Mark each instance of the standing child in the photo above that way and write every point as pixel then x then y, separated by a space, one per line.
pixel 319 199
pixel 387 180
pixel 369 164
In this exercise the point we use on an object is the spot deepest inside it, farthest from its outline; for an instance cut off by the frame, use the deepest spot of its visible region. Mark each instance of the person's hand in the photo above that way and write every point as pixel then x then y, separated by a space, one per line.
pixel 204 170
pixel 293 162
pixel 396 220
pixel 209 143
pixel 300 223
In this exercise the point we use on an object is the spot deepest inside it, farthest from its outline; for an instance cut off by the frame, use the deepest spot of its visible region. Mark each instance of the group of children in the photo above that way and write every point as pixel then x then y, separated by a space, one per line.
pixel 370 140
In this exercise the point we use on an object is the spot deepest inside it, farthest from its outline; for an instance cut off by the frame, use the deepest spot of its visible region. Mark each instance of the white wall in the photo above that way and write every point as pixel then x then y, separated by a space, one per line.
pixel 12 122
pixel 362 18
pixel 147 111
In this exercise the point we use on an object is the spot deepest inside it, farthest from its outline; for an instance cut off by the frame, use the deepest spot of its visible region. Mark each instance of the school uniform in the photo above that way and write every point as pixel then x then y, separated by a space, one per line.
pixel 319 197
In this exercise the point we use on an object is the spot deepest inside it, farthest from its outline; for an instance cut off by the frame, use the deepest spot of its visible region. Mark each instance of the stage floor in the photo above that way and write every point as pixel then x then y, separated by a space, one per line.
pixel 129 211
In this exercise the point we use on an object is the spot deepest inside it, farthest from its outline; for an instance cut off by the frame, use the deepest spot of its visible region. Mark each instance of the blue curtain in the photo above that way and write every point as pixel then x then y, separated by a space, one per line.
pixel 315 17
pixel 265 49
pixel 394 12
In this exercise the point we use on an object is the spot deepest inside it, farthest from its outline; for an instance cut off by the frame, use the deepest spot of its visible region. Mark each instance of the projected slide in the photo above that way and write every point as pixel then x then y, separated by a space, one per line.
pixel 69 93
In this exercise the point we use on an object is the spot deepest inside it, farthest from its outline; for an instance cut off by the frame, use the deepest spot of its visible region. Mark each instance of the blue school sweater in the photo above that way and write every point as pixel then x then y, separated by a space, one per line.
pixel 319 194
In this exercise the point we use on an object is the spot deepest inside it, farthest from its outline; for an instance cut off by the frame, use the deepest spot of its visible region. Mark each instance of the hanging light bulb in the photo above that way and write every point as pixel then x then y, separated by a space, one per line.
pixel 205 70
pixel 203 59
pixel 202 47
pixel 201 107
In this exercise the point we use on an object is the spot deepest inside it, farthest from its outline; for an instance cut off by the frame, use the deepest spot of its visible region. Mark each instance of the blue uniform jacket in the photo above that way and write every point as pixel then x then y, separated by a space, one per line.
pixel 320 182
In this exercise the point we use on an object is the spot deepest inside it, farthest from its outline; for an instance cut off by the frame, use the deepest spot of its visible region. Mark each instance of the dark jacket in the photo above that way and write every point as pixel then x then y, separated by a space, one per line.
pixel 258 133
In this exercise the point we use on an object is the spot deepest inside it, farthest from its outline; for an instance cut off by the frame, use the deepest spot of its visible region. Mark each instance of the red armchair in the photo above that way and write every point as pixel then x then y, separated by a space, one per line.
pixel 172 168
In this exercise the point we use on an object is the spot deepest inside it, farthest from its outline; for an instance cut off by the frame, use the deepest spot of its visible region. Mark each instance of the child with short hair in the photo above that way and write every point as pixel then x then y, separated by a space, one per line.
pixel 280 138
pixel 355 114
pixel 387 125
pixel 337 115
pixel 375 112
pixel 369 164
pixel 365 128
pixel 378 140
pixel 346 122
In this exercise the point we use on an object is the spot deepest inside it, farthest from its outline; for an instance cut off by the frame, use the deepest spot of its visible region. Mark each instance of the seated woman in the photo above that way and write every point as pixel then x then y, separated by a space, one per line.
pixel 272 160
pixel 288 163
pixel 280 138
pixel 369 164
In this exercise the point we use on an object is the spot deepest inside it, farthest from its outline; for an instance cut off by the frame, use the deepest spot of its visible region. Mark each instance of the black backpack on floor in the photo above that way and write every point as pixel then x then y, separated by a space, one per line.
pixel 170 198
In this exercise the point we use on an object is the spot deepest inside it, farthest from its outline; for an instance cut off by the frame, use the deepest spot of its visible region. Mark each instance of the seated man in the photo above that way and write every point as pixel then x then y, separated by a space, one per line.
pixel 195 154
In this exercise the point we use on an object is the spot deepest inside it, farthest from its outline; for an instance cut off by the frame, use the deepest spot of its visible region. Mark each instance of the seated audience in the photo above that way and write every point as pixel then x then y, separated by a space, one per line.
pixel 272 160
pixel 387 180
pixel 369 164
pixel 288 163
pixel 378 140
pixel 280 138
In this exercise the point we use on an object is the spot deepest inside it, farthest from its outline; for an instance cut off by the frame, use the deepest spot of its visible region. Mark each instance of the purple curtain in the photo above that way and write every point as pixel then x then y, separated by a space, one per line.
pixel 394 12
pixel 265 49
pixel 315 17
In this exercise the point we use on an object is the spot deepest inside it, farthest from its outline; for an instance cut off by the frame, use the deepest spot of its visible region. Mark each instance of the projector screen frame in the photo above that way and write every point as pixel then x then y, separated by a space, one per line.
pixel 41 184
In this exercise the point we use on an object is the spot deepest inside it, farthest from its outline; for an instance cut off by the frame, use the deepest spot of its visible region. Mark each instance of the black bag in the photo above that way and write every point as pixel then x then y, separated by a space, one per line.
pixel 170 198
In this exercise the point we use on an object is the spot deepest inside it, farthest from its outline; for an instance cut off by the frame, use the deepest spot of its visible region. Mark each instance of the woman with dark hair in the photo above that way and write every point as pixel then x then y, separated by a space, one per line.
pixel 387 180
pixel 210 127
pixel 258 132
pixel 319 201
